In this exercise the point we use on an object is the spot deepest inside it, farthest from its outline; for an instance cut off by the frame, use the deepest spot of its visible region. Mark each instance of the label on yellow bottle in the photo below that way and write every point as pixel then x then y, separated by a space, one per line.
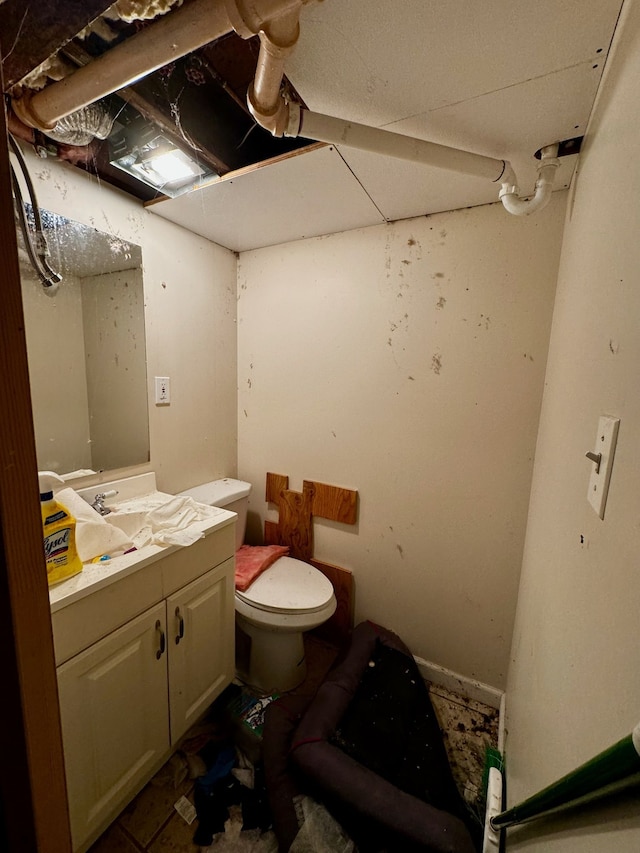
pixel 59 542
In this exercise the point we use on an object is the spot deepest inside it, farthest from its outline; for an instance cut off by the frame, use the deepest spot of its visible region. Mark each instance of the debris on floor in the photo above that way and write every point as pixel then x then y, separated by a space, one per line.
pixel 152 824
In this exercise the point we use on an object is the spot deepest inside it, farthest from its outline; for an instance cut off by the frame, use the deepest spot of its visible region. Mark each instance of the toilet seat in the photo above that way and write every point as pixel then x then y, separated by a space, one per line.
pixel 289 586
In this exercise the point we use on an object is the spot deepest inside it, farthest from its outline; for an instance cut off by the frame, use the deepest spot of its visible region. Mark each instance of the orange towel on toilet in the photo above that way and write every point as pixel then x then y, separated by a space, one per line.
pixel 252 560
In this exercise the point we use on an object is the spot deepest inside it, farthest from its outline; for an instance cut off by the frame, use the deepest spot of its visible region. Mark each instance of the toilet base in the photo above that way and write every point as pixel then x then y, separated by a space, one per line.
pixel 276 660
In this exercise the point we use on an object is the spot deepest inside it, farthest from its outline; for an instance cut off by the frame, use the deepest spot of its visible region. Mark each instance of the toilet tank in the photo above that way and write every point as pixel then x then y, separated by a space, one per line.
pixel 227 494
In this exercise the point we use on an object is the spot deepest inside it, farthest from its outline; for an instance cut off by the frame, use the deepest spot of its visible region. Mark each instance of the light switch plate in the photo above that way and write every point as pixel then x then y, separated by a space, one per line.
pixel 605 445
pixel 163 390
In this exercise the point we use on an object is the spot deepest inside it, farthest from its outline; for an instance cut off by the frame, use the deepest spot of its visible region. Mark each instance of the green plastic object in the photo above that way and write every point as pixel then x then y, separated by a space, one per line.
pixel 613 768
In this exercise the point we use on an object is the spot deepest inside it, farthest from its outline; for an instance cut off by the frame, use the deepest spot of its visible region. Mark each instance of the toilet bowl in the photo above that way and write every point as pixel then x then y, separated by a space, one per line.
pixel 286 600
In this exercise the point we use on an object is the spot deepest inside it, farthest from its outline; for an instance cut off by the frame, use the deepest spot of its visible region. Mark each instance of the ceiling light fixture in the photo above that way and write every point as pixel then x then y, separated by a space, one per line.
pixel 156 161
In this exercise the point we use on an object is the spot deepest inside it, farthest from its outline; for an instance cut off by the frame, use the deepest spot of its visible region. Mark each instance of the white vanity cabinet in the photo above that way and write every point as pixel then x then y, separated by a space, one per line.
pixel 200 653
pixel 164 651
pixel 115 720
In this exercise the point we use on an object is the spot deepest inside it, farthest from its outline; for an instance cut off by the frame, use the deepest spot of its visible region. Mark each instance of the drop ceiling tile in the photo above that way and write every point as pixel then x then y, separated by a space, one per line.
pixel 401 189
pixel 377 62
pixel 515 121
pixel 510 124
pixel 306 195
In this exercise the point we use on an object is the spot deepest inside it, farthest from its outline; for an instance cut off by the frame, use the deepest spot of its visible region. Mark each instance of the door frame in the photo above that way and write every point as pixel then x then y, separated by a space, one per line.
pixel 34 810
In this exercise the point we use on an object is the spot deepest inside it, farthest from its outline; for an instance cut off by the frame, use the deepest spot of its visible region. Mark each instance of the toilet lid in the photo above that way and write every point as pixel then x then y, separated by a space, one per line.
pixel 289 585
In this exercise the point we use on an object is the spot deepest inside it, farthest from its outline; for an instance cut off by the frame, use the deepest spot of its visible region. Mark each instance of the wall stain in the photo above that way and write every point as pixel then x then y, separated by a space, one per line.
pixel 403 322
pixel 245 413
pixel 441 302
pixel 412 378
pixel 333 434
pixel 436 363
pixel 249 383
pixel 613 347
pixel 437 275
pixel 400 551
pixel 484 321
pixel 405 261
pixel 412 242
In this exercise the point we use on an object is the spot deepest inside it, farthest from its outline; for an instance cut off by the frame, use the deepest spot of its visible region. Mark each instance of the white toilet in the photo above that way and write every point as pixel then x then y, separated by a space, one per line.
pixel 286 600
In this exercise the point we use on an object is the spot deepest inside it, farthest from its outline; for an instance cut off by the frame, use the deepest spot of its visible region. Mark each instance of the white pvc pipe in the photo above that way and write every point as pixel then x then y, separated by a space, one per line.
pixel 510 193
pixel 178 33
pixel 277 41
pixel 337 131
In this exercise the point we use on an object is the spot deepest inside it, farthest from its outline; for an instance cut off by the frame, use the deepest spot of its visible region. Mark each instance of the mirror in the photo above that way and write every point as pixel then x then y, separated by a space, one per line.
pixel 86 351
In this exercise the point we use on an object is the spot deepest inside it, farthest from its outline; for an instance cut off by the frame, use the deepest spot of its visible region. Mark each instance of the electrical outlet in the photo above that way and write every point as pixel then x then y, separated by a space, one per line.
pixel 605 448
pixel 163 391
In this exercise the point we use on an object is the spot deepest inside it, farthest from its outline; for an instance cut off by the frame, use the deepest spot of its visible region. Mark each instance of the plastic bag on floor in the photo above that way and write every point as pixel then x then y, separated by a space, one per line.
pixel 319 832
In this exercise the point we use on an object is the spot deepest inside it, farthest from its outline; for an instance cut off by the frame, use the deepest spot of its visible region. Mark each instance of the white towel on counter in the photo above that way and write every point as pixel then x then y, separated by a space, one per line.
pixel 94 535
pixel 174 522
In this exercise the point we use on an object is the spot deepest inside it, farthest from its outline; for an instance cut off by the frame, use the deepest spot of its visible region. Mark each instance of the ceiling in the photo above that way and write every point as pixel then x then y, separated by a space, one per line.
pixel 501 78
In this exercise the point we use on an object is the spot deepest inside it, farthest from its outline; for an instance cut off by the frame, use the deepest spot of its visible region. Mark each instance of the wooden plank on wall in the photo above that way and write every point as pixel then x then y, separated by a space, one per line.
pixel 276 483
pixel 334 502
pixel 271 536
pixel 294 524
pixel 337 629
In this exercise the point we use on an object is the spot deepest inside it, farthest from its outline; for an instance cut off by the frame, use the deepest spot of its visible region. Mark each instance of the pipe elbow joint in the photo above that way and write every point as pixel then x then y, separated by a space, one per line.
pixel 249 17
pixel 512 203
pixel 276 121
pixel 510 192
pixel 24 109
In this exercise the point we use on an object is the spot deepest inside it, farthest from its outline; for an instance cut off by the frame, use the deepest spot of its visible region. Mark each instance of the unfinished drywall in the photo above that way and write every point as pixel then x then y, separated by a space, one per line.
pixel 406 361
pixel 573 688
pixel 190 312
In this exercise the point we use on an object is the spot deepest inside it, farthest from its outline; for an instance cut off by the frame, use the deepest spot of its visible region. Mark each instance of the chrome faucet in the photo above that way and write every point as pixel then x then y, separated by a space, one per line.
pixel 99 499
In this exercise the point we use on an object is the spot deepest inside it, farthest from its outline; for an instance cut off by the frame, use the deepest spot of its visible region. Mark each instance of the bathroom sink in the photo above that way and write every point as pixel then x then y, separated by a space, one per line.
pixel 159 518
pixel 130 521
pixel 130 516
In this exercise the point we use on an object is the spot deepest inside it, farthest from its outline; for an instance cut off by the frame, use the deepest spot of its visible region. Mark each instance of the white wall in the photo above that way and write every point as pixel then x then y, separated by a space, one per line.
pixel 573 686
pixel 407 361
pixel 190 309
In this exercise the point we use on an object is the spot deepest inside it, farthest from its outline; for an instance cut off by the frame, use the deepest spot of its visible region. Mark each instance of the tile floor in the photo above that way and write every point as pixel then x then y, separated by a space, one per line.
pixel 150 823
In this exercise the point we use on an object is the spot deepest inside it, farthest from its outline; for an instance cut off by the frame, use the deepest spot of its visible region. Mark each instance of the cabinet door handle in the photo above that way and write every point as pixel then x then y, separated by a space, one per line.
pixel 160 651
pixel 180 633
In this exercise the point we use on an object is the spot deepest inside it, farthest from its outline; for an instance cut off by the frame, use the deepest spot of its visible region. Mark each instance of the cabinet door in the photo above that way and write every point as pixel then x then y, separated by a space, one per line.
pixel 115 727
pixel 200 621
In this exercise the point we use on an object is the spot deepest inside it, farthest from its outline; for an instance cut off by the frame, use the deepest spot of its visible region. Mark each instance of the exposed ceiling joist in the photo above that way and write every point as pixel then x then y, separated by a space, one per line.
pixel 36 26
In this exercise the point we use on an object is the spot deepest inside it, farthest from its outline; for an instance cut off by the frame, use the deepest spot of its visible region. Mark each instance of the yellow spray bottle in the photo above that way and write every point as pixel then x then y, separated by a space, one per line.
pixel 59 528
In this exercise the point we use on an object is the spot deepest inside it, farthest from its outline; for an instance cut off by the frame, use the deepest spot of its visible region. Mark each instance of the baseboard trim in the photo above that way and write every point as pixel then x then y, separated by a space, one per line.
pixel 468 687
